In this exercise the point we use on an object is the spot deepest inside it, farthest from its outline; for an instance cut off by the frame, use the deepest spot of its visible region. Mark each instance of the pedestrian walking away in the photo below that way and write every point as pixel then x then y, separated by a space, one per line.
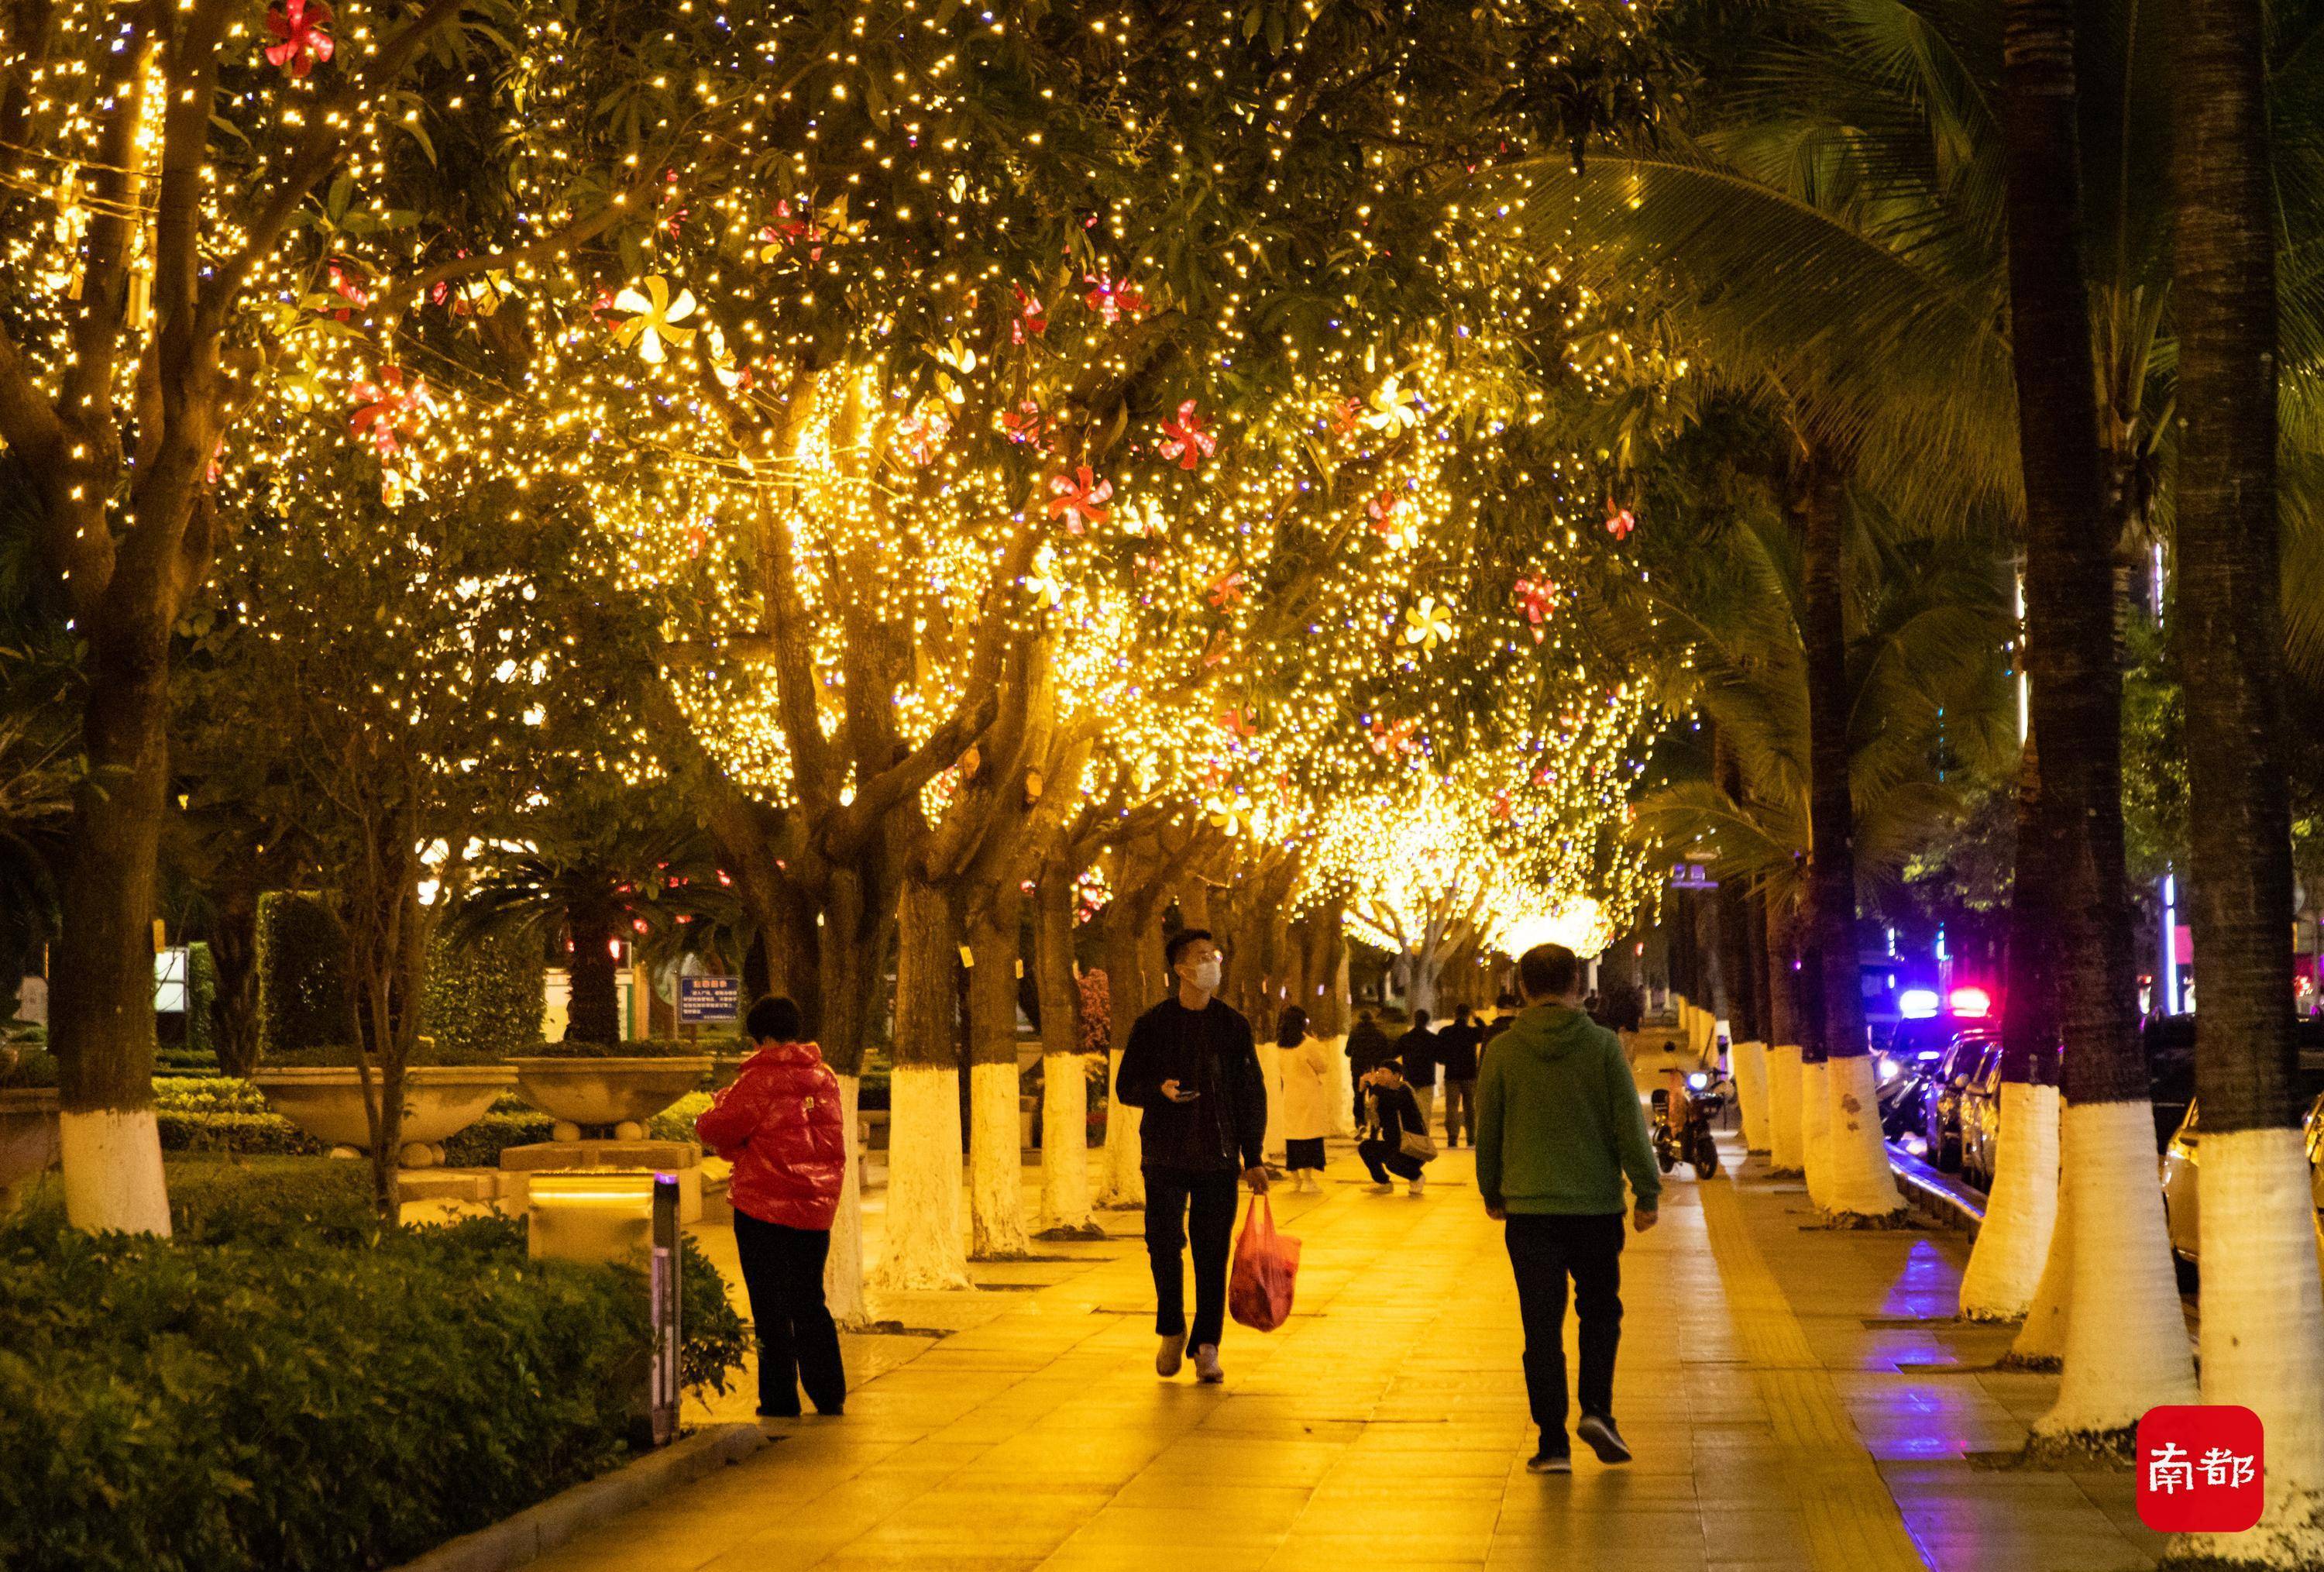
pixel 1456 1052
pixel 1416 1051
pixel 781 1125
pixel 1368 1047
pixel 1191 1065
pixel 1559 1127
pixel 1395 1137
pixel 1306 1100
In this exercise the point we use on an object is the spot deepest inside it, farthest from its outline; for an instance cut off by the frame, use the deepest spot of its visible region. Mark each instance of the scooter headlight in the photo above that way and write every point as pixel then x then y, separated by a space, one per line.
pixel 1697 1081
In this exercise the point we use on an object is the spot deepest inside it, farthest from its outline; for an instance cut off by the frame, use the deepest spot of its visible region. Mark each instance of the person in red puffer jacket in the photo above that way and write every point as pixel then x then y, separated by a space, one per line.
pixel 780 1125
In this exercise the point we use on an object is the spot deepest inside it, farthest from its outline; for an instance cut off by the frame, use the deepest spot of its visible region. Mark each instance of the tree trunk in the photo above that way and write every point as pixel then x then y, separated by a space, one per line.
pixel 101 1008
pixel 924 1246
pixel 996 1198
pixel 2263 1326
pixel 593 1011
pixel 1065 1086
pixel 2012 1247
pixel 2126 1349
pixel 1786 1141
pixel 1132 935
pixel 1857 1181
pixel 234 950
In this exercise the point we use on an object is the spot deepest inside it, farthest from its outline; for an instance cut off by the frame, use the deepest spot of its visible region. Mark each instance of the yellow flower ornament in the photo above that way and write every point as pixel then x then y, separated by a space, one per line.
pixel 654 318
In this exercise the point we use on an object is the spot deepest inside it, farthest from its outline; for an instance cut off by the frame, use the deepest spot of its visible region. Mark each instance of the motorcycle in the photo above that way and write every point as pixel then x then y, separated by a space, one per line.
pixel 1688 1138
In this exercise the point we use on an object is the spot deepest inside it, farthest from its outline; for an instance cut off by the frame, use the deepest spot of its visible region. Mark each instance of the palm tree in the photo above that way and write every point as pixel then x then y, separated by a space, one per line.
pixel 2262 1331
pixel 590 886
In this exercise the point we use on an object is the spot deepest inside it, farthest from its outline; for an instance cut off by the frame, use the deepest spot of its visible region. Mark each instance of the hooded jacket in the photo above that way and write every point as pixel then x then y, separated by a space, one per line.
pixel 1559 1122
pixel 1209 1053
pixel 779 1125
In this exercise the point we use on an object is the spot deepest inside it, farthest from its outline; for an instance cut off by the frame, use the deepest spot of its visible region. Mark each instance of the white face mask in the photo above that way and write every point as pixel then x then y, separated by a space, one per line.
pixel 1206 975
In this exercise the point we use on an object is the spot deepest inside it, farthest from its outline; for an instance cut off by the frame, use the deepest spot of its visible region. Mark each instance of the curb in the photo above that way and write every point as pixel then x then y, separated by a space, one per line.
pixel 1936 1197
pixel 537 1530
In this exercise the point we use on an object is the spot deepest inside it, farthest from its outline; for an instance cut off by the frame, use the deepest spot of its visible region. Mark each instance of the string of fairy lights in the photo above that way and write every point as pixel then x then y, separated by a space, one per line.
pixel 897 326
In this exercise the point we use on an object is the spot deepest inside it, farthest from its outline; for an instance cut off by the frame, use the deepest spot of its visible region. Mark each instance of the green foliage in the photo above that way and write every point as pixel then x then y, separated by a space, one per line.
pixel 635 1047
pixel 34 1067
pixel 206 1095
pixel 241 1134
pixel 483 995
pixel 675 1123
pixel 285 1385
pixel 301 997
pixel 201 998
pixel 339 1056
pixel 480 1145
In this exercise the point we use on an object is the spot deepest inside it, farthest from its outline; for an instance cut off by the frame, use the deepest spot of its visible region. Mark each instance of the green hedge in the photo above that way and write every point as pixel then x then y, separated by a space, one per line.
pixel 633 1048
pixel 34 1067
pixel 302 1004
pixel 480 1144
pixel 282 1387
pixel 484 995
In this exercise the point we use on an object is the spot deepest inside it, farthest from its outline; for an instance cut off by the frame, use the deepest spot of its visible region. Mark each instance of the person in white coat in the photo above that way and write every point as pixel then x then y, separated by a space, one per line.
pixel 1306 1099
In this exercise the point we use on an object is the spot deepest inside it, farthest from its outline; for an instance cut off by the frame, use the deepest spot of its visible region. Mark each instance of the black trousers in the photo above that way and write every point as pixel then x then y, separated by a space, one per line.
pixel 1181 1203
pixel 1385 1158
pixel 1459 1112
pixel 1545 1251
pixel 1303 1154
pixel 798 1346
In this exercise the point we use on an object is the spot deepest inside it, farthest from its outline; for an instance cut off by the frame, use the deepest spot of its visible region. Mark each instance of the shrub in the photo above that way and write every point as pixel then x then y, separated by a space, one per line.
pixel 245 1135
pixel 285 1385
pixel 302 1001
pixel 480 1145
pixel 206 1095
pixel 483 995
pixel 34 1067
pixel 675 1123
pixel 635 1048
pixel 201 997
pixel 339 1056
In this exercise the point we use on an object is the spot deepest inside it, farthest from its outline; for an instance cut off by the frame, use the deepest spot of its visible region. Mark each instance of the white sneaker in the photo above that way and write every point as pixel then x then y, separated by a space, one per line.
pixel 1206 1364
pixel 1420 1185
pixel 1170 1355
pixel 1382 1189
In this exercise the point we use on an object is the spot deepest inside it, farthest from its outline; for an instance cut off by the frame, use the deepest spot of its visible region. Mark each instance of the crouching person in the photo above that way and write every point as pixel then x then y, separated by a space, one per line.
pixel 780 1125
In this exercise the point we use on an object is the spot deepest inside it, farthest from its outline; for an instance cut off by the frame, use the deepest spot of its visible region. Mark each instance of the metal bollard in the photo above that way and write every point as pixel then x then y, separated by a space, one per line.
pixel 667 1310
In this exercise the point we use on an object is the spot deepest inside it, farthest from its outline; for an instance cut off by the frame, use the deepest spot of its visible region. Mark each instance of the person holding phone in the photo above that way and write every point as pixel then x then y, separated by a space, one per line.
pixel 1191 1064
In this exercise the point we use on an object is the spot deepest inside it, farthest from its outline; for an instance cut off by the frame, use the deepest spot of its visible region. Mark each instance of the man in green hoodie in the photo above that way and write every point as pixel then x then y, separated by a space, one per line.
pixel 1559 1124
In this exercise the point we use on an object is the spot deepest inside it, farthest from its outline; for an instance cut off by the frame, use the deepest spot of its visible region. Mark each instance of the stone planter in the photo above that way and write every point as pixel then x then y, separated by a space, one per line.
pixel 29 1144
pixel 620 1093
pixel 439 1101
pixel 726 1068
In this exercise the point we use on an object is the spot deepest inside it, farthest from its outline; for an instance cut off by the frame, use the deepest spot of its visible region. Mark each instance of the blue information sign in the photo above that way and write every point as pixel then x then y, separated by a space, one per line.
pixel 702 1001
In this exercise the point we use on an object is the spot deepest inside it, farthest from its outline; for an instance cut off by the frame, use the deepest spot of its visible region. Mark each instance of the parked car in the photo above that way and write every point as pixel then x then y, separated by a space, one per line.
pixel 1980 1119
pixel 2182 1154
pixel 1904 1070
pixel 1948 1079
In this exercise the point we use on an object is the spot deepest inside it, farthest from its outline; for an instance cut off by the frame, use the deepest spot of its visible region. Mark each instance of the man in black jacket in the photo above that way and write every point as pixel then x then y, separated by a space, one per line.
pixel 1456 1051
pixel 1368 1047
pixel 1191 1065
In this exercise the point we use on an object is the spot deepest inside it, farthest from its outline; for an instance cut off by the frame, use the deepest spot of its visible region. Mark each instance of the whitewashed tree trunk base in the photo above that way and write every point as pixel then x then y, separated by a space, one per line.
pixel 2040 1342
pixel 1786 1148
pixel 1271 1070
pixel 843 1269
pixel 1344 1092
pixel 1815 1131
pixel 923 1247
pixel 1065 1150
pixel 2127 1348
pixel 996 1200
pixel 1749 1063
pixel 1125 1180
pixel 1861 1186
pixel 2005 1265
pixel 2263 1335
pixel 112 1176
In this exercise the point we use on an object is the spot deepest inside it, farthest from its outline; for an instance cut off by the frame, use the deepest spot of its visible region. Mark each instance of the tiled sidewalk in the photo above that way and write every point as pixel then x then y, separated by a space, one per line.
pixel 1385 1427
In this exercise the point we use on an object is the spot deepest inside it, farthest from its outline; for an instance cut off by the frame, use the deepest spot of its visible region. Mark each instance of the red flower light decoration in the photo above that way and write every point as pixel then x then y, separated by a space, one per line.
pixel 1344 417
pixel 1080 499
pixel 1387 739
pixel 1032 318
pixel 301 43
pixel 1112 298
pixel 388 406
pixel 1026 423
pixel 1619 522
pixel 1188 439
pixel 1226 590
pixel 1536 598
pixel 1235 723
pixel 1502 806
pixel 1383 511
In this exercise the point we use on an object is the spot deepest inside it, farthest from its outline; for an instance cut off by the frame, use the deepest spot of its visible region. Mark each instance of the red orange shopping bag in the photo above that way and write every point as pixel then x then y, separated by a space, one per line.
pixel 1266 1266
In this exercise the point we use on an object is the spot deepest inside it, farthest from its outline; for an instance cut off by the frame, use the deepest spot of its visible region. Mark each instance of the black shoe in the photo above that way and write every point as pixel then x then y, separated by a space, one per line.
pixel 1550 1459
pixel 1604 1439
pixel 767 1413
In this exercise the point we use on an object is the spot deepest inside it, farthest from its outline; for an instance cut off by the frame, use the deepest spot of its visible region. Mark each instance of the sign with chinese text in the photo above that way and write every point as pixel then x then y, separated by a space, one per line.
pixel 2202 1468
pixel 702 1001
